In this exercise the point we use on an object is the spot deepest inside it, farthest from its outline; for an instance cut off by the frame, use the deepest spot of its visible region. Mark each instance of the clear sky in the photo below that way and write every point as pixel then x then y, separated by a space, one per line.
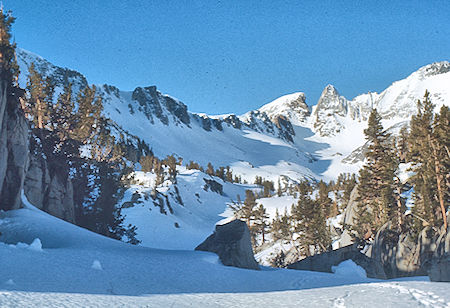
pixel 233 56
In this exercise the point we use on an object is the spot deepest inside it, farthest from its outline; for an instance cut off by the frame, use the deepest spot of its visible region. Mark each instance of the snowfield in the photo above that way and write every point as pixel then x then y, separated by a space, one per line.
pixel 72 267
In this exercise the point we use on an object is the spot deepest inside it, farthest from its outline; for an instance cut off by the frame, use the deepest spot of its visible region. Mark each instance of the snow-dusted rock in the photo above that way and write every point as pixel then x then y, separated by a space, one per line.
pixel 231 242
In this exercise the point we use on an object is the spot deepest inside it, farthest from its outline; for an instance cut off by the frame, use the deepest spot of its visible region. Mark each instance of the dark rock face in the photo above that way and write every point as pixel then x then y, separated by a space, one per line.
pixel 231 242
pixel 213 186
pixel 440 262
pixel 13 150
pixel 49 191
pixel 324 261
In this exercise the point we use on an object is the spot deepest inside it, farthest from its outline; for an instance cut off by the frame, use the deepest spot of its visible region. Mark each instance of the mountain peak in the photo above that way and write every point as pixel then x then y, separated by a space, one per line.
pixel 292 106
pixel 434 69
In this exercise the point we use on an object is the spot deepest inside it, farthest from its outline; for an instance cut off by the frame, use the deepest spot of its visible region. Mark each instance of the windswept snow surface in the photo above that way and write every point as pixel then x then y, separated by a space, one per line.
pixel 62 274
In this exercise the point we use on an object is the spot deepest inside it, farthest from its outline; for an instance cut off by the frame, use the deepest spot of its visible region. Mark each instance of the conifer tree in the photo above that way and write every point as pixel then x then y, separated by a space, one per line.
pixel 280 227
pixel 88 115
pixel 146 163
pixel 279 192
pixel 429 145
pixel 210 169
pixel 247 209
pixel 310 225
pixel 40 100
pixel 375 190
pixel 9 70
pixel 62 114
pixel 261 221
pixel 229 175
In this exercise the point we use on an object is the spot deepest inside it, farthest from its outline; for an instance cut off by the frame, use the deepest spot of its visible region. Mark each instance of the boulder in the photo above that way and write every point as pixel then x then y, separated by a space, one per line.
pixel 400 254
pixel 440 262
pixel 323 262
pixel 231 242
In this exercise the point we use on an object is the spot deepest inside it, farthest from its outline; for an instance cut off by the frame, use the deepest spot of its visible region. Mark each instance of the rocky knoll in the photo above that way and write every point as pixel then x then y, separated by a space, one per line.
pixel 231 242
pixel 325 261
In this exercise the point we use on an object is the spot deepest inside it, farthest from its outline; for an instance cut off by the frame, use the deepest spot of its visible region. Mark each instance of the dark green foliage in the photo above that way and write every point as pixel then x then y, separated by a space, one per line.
pixel 9 70
pixel 268 188
pixel 210 169
pixel 261 224
pixel 62 115
pixel 40 100
pixel 279 191
pixel 376 198
pixel 245 210
pixel 229 175
pixel 220 173
pixel 281 226
pixel 429 155
pixel 324 201
pixel 310 225
pixel 88 116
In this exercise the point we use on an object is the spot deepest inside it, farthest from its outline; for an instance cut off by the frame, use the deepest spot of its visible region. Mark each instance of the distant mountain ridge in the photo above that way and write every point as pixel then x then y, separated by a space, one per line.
pixel 305 140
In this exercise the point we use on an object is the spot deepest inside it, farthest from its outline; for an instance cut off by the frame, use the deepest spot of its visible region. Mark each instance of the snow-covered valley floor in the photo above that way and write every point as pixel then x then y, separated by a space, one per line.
pixel 72 267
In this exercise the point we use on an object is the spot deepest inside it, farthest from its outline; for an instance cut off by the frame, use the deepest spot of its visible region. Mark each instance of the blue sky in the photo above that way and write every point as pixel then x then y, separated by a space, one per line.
pixel 233 56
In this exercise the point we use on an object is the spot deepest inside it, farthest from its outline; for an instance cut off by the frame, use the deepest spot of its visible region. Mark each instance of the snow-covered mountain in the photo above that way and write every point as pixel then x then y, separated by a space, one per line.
pixel 282 138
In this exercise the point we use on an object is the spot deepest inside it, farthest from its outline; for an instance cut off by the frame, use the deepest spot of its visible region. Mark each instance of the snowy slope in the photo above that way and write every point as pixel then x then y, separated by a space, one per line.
pixel 184 214
pixel 76 268
pixel 282 138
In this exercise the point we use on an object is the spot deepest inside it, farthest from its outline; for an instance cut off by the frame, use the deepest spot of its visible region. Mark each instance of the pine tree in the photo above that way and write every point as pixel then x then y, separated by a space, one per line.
pixel 376 197
pixel 429 156
pixel 171 162
pixel 9 70
pixel 268 187
pixel 247 209
pixel 229 175
pixel 261 221
pixel 62 114
pixel 40 97
pixel 324 201
pixel 279 192
pixel 310 225
pixel 210 169
pixel 281 226
pixel 429 145
pixel 88 114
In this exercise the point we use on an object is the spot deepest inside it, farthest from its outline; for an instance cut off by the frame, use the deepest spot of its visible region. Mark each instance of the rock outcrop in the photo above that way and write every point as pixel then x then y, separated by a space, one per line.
pixel 440 262
pixel 400 254
pixel 13 147
pixel 231 242
pixel 323 262
pixel 49 191
pixel 22 170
